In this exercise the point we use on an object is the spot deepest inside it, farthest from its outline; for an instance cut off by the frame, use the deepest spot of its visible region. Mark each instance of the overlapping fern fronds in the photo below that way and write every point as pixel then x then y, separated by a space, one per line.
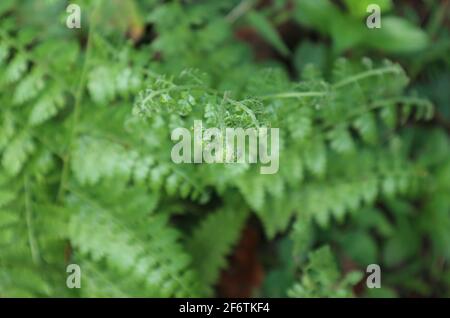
pixel 86 175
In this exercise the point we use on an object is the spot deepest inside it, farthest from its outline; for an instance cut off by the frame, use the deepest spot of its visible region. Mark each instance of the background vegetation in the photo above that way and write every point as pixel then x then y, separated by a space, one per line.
pixel 86 175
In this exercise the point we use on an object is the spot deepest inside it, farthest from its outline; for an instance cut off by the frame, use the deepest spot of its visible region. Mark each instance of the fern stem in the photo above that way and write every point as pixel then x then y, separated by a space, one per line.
pixel 34 248
pixel 169 89
pixel 242 8
pixel 293 95
pixel 360 76
pixel 376 105
pixel 77 106
pixel 347 81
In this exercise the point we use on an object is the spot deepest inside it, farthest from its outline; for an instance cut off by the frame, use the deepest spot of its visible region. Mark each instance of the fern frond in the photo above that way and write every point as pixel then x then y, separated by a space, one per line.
pixel 321 277
pixel 153 256
pixel 212 241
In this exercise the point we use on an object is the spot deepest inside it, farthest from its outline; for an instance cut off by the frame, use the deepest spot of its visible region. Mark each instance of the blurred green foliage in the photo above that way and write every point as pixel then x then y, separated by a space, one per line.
pixel 86 175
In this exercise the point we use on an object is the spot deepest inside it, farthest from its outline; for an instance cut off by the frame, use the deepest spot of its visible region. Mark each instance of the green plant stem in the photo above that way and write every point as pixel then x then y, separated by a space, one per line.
pixel 293 95
pixel 363 75
pixel 345 82
pixel 34 248
pixel 242 8
pixel 377 105
pixel 77 107
pixel 170 89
